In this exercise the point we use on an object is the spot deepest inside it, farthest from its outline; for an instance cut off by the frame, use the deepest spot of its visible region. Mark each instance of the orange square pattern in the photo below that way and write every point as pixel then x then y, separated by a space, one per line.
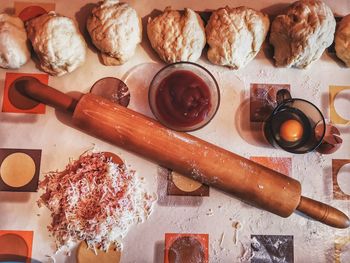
pixel 27 237
pixel 7 106
pixel 203 239
pixel 282 165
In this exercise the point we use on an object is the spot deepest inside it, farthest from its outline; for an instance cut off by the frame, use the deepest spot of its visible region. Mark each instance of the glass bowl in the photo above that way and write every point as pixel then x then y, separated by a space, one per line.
pixel 184 96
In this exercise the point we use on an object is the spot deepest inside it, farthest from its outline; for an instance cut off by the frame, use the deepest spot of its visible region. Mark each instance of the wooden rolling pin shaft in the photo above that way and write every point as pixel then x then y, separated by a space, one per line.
pixel 191 156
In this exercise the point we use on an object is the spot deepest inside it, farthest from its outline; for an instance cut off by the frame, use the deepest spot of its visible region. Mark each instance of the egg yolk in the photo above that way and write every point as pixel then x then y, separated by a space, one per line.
pixel 291 130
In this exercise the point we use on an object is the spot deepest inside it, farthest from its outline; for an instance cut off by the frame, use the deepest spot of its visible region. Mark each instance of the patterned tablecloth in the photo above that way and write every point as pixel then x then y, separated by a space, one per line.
pixel 216 225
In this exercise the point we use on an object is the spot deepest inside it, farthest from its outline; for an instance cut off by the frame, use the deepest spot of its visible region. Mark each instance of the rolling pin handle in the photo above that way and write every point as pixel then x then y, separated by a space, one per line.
pixel 323 213
pixel 34 89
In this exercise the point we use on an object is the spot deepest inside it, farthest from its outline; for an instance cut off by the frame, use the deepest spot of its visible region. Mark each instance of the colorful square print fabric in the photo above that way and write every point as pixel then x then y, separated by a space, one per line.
pixel 175 131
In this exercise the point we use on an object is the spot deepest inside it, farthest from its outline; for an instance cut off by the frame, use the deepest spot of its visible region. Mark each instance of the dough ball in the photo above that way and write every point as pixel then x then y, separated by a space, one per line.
pixel 235 35
pixel 116 30
pixel 342 40
pixel 302 34
pixel 57 43
pixel 177 37
pixel 13 42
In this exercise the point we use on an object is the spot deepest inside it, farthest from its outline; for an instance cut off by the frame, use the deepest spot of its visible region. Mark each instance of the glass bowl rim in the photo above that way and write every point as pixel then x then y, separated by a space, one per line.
pixel 185 128
pixel 322 120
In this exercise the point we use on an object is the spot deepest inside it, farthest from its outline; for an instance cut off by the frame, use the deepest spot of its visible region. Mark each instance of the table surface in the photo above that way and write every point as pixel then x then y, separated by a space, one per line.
pixel 214 214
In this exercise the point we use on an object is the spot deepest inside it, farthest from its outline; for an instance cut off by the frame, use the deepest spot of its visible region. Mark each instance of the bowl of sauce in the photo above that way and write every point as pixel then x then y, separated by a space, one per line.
pixel 184 96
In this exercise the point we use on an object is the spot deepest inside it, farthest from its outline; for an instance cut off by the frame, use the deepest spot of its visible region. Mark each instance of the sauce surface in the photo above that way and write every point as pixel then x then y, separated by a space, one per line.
pixel 183 99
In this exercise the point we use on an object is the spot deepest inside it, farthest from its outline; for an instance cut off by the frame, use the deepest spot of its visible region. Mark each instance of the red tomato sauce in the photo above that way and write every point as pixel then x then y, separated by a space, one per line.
pixel 183 98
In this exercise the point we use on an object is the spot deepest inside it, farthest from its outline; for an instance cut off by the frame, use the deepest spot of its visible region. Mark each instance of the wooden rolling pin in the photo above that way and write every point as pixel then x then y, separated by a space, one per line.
pixel 186 154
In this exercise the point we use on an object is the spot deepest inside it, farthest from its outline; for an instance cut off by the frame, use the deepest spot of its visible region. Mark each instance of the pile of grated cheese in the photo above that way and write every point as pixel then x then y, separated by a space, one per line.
pixel 94 200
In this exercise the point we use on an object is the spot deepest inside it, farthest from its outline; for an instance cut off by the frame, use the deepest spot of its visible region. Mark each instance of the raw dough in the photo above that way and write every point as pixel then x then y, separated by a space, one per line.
pixel 116 30
pixel 13 42
pixel 177 37
pixel 302 34
pixel 342 40
pixel 235 35
pixel 57 43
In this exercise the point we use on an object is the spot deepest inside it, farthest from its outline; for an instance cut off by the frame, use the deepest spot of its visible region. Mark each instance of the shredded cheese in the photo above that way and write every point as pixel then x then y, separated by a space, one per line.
pixel 94 200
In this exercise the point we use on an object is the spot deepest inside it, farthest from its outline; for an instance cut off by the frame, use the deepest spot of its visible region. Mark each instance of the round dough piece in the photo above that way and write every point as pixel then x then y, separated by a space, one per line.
pixel 177 37
pixel 57 43
pixel 302 34
pixel 342 40
pixel 116 30
pixel 235 35
pixel 13 42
